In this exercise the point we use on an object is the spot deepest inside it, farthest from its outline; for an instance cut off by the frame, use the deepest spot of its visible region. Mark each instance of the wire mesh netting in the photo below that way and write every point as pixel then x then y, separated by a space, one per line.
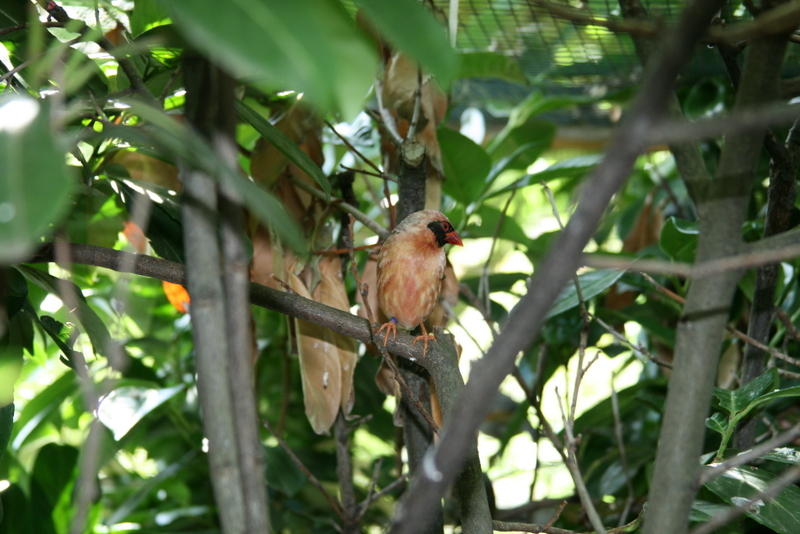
pixel 565 46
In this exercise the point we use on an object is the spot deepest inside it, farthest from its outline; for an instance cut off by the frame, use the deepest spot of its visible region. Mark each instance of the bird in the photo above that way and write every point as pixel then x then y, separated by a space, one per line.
pixel 411 266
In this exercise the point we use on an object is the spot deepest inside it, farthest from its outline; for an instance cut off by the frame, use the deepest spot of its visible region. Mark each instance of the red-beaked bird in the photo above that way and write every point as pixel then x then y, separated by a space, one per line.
pixel 411 269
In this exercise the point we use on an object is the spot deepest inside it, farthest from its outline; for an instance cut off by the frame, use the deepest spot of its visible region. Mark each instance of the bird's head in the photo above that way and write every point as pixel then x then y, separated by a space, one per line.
pixel 431 226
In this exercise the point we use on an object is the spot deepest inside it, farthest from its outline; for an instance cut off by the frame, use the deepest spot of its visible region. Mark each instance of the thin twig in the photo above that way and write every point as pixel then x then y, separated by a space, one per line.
pixel 311 478
pixel 369 173
pixel 623 456
pixel 412 129
pixel 354 150
pixel 364 506
pixel 483 285
pixel 638 348
pixel 360 216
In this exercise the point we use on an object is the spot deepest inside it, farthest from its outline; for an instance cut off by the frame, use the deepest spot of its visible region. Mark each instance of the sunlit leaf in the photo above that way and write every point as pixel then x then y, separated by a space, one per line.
pixel 592 283
pixel 311 46
pixel 741 486
pixel 35 189
pixel 37 411
pixel 83 313
pixel 126 405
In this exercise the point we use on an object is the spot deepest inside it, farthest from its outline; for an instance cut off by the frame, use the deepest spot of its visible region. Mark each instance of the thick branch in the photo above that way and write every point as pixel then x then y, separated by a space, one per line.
pixel 339 321
pixel 721 206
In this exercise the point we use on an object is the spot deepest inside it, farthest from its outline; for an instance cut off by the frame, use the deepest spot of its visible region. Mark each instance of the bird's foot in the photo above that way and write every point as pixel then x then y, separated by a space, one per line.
pixel 391 328
pixel 425 337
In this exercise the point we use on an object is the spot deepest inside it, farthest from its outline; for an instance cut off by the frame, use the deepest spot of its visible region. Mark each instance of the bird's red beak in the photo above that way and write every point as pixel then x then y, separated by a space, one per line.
pixel 453 239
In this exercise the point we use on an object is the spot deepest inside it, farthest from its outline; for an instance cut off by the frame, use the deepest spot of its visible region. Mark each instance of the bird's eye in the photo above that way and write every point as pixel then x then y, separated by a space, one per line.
pixel 446 227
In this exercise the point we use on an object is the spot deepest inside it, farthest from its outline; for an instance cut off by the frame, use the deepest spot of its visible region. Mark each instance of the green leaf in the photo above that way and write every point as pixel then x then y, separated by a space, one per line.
pixel 6 427
pixel 592 283
pixel 146 14
pixel 37 411
pixel 784 455
pixel 569 168
pixel 59 335
pixel 718 423
pixel 489 65
pixel 82 313
pixel 185 144
pixel 496 281
pixel 53 470
pixel 738 486
pixel 742 399
pixel 706 98
pixel 535 135
pixel 35 189
pixel 126 405
pixel 282 143
pixel 16 292
pixel 779 394
pixel 679 239
pixel 490 217
pixel 703 511
pixel 282 474
pixel 466 166
pixel 408 26
pixel 311 46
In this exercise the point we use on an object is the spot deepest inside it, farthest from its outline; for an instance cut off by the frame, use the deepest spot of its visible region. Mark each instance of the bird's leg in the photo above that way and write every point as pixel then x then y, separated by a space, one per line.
pixel 391 328
pixel 424 337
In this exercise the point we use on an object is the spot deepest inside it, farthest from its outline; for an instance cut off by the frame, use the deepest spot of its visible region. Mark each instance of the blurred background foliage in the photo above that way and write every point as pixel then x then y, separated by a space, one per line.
pixel 531 102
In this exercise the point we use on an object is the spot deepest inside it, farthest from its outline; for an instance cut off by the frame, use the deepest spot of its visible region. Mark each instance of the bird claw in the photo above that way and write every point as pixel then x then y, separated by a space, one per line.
pixel 391 328
pixel 425 337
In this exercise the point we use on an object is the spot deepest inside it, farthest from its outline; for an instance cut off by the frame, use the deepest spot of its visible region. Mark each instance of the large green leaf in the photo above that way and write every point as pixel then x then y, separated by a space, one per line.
pixel 311 46
pixel 466 166
pixel 411 28
pixel 679 239
pixel 568 168
pixel 535 136
pixel 145 15
pixel 83 314
pixel 739 400
pixel 592 283
pixel 490 218
pixel 37 411
pixel 784 455
pixel 35 188
pixel 127 404
pixel 282 143
pixel 738 486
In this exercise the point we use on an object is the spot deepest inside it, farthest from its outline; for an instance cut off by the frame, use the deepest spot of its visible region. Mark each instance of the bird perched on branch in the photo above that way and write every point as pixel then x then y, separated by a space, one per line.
pixel 411 267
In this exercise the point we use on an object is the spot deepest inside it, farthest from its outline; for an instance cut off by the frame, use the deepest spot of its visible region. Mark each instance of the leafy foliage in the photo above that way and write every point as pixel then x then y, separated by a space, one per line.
pixel 97 366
